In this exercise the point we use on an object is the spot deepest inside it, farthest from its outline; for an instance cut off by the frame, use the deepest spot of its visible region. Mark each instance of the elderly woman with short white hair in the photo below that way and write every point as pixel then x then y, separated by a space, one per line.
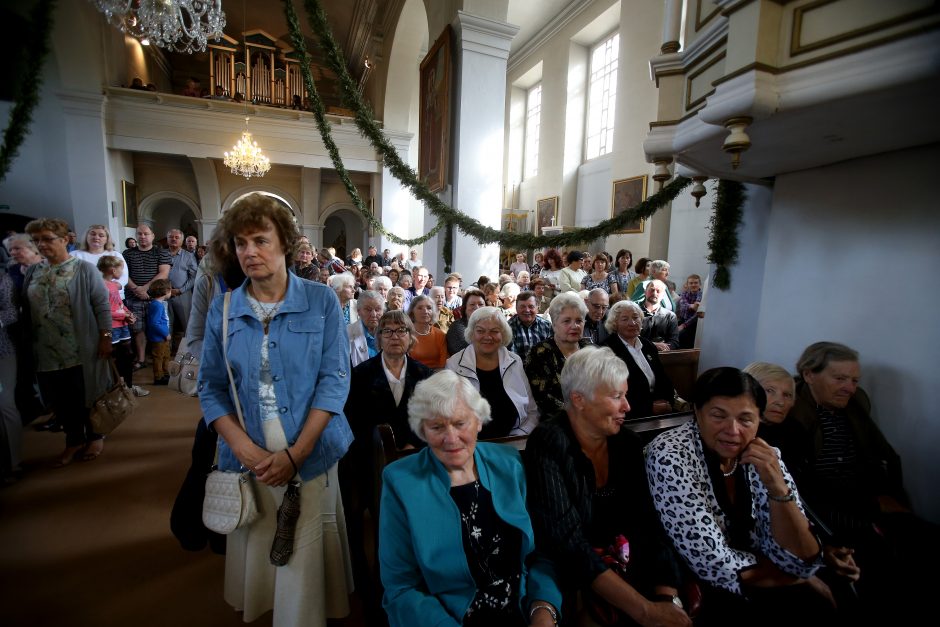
pixel 380 284
pixel 544 362
pixel 651 392
pixel 590 503
pixel 344 284
pixel 456 545
pixel 507 299
pixel 497 374
pixel 363 343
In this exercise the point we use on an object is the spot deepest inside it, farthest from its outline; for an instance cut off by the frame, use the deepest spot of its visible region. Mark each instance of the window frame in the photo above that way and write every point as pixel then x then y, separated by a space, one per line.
pixel 611 127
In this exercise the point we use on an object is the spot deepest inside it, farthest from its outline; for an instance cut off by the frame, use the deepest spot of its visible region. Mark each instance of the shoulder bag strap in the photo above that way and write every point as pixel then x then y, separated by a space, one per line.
pixel 228 367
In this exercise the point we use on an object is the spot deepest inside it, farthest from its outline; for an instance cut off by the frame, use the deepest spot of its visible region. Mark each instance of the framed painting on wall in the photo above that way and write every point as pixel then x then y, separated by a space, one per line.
pixel 547 213
pixel 628 193
pixel 434 114
pixel 129 193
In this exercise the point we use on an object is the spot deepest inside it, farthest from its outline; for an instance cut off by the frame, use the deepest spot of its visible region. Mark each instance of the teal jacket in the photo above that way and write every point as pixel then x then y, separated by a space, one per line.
pixel 421 557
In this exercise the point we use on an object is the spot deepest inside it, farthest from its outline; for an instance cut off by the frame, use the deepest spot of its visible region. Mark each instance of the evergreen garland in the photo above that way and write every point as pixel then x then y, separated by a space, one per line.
pixel 28 93
pixel 723 227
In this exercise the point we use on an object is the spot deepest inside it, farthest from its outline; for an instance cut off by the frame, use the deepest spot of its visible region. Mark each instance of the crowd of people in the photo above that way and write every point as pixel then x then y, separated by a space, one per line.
pixel 777 501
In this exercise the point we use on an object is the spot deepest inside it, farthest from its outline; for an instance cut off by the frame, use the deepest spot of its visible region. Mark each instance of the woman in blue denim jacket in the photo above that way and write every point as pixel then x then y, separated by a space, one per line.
pixel 289 356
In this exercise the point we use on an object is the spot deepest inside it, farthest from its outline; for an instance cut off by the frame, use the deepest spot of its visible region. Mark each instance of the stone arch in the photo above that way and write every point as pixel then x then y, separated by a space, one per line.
pixel 277 192
pixel 345 216
pixel 148 206
pixel 402 91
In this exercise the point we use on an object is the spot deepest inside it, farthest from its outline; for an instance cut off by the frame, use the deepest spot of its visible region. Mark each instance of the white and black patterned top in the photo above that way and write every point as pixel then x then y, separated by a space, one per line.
pixel 688 507
pixel 492 548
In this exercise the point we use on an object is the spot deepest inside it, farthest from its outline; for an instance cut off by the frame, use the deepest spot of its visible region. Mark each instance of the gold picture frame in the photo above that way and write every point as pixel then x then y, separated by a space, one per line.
pixel 434 113
pixel 628 193
pixel 546 213
pixel 129 196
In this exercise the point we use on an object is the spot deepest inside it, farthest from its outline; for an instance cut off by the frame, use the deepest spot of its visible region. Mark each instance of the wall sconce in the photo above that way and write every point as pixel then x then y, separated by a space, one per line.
pixel 661 173
pixel 737 140
pixel 698 189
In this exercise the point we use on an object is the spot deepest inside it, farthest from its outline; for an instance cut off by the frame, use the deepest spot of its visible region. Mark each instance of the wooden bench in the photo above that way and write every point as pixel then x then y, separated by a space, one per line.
pixel 682 368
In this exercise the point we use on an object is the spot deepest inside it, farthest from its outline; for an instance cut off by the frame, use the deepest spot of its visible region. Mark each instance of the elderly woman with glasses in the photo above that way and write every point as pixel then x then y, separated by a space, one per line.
pixel 544 362
pixel 497 374
pixel 456 545
pixel 651 391
pixel 69 313
pixel 590 503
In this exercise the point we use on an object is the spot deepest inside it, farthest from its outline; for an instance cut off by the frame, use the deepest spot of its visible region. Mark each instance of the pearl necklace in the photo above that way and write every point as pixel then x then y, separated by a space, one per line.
pixel 734 467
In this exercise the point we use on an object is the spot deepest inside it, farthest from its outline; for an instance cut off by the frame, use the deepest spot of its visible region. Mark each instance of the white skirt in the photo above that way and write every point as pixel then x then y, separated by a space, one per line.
pixel 316 582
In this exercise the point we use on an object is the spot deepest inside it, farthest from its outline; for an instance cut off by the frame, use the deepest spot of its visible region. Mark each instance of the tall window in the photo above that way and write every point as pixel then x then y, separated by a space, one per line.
pixel 602 97
pixel 533 118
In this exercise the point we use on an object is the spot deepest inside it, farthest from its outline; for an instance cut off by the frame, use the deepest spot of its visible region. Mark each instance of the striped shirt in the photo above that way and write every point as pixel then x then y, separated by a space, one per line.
pixel 143 265
pixel 837 460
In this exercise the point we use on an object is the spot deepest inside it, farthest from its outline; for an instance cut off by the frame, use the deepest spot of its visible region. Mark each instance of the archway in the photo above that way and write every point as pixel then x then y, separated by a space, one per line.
pixel 275 193
pixel 344 229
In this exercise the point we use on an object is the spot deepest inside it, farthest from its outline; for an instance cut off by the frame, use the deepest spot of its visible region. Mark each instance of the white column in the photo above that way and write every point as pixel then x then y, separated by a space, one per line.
pixel 672 26
pixel 398 211
pixel 478 136
pixel 210 199
pixel 88 174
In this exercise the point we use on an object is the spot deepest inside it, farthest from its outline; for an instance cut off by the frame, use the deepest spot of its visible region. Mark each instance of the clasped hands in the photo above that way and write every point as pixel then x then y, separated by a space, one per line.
pixel 273 469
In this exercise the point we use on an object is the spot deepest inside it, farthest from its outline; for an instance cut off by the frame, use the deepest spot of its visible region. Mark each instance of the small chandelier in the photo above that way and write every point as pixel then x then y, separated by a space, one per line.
pixel 178 25
pixel 246 158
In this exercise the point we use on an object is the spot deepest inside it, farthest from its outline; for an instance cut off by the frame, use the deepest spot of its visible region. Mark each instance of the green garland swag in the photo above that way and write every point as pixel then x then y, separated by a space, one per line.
pixel 22 112
pixel 723 227
pixel 728 203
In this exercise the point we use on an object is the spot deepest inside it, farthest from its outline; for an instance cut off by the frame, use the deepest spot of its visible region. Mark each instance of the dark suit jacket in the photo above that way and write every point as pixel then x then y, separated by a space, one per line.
pixel 638 390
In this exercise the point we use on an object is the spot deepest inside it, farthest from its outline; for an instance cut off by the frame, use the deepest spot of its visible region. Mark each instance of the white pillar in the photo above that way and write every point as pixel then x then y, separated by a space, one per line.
pixel 88 174
pixel 478 136
pixel 398 211
pixel 672 26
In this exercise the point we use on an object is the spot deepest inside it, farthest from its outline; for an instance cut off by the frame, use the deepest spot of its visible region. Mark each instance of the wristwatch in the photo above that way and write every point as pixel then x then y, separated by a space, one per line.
pixel 671 598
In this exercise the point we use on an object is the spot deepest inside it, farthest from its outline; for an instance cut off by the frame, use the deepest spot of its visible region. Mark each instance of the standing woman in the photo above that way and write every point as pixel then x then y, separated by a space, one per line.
pixel 622 273
pixel 96 244
pixel 67 305
pixel 24 254
pixel 551 272
pixel 344 284
pixel 599 277
pixel 431 347
pixel 289 356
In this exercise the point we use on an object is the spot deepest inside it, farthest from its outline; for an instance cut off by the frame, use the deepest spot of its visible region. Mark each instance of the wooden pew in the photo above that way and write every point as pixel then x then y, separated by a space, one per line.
pixel 682 368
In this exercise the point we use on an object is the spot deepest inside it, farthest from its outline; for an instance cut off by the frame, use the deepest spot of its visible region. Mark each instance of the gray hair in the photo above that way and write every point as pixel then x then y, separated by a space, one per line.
pixel 566 300
pixel 341 280
pixel 590 368
pixel 482 315
pixel 377 281
pixel 437 289
pixel 817 356
pixel 764 372
pixel 621 306
pixel 369 295
pixel 20 238
pixel 659 264
pixel 509 290
pixel 419 299
pixel 439 396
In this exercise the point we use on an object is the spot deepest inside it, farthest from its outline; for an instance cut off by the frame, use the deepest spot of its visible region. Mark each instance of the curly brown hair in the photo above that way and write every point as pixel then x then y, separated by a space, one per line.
pixel 55 225
pixel 552 254
pixel 253 212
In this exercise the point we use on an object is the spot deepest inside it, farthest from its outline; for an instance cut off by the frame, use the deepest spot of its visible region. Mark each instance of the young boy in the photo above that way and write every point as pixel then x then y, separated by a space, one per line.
pixel 111 267
pixel 158 329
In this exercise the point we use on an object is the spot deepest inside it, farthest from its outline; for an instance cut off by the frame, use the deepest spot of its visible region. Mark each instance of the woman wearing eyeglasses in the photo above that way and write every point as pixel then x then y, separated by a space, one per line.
pixel 378 393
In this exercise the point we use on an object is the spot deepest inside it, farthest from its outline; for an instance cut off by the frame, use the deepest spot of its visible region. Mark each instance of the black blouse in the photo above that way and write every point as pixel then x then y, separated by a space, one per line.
pixel 504 413
pixel 562 498
pixel 492 548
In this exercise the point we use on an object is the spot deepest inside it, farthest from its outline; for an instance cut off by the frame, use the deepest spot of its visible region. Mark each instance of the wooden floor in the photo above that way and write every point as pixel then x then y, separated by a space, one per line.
pixel 90 544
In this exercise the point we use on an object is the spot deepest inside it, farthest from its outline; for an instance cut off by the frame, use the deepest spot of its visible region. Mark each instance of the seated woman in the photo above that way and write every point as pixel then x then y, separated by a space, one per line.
pixel 395 300
pixel 544 362
pixel 344 284
pixel 587 492
pixel 733 511
pixel 456 545
pixel 431 345
pixel 651 391
pixel 497 374
pixel 473 299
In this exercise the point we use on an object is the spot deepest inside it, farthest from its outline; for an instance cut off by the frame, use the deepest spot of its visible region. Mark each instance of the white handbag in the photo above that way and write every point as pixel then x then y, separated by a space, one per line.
pixel 184 372
pixel 230 501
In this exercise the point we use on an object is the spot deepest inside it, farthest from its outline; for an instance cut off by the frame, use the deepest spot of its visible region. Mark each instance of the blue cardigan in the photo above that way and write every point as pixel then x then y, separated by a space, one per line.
pixel 308 353
pixel 421 556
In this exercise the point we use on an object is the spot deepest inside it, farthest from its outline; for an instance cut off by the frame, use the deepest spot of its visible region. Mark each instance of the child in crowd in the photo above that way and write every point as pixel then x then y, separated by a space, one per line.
pixel 158 329
pixel 111 268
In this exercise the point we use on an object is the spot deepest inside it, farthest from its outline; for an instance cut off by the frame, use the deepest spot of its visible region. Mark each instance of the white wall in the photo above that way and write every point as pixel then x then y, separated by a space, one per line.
pixel 848 253
pixel 688 235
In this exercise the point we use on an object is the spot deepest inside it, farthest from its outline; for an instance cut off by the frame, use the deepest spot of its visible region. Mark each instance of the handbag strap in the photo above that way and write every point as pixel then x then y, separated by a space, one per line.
pixel 115 374
pixel 228 366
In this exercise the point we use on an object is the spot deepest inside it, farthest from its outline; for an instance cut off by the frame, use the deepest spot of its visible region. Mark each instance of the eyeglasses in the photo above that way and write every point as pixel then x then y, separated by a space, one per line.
pixel 47 240
pixel 400 332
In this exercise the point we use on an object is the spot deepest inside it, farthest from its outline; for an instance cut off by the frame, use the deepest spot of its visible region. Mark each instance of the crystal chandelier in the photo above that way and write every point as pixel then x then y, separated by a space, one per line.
pixel 178 25
pixel 246 158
